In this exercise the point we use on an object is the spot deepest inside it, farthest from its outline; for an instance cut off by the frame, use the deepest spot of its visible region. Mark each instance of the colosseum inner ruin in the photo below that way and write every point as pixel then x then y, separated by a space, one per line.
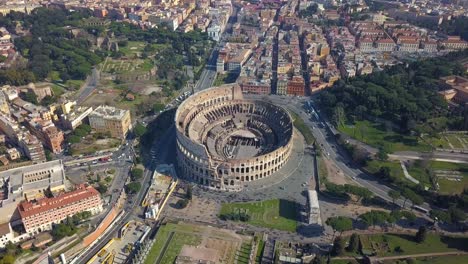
pixel 225 141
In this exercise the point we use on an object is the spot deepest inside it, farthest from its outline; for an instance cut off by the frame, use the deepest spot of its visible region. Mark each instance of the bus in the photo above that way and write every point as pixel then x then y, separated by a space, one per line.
pixel 420 209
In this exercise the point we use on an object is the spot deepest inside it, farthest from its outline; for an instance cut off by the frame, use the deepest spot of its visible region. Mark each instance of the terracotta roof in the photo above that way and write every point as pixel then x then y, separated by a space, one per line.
pixel 386 40
pixel 409 41
pixel 29 208
pixel 4 229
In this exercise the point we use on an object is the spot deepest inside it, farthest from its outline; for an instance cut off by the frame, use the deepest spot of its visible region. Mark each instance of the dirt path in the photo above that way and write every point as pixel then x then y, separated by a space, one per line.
pixel 334 174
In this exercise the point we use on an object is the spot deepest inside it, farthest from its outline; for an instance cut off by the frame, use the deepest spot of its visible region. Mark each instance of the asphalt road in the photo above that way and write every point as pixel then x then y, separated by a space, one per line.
pixel 91 83
pixel 331 150
pixel 163 149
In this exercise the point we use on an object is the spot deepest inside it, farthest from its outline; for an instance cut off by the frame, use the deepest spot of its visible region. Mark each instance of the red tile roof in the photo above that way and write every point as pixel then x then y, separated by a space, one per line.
pixel 29 208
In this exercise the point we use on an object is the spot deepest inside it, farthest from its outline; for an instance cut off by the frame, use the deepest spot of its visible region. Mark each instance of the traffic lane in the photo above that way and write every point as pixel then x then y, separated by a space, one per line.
pixel 356 175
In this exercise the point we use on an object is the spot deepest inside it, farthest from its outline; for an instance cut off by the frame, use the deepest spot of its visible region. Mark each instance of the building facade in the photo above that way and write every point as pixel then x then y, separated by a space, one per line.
pixel 40 215
pixel 107 119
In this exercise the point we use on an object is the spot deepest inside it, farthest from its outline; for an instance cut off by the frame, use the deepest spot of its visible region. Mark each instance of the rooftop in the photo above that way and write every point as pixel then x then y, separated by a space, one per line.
pixel 30 208
pixel 109 112
pixel 16 176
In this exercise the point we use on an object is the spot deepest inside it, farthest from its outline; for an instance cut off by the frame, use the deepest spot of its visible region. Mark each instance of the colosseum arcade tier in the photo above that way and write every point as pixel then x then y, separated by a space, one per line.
pixel 225 141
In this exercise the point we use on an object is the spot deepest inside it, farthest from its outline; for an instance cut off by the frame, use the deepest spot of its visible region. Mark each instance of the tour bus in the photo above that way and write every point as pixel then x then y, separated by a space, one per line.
pixel 420 209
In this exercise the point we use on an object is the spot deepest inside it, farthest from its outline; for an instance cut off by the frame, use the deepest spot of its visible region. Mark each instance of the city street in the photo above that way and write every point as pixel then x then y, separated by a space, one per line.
pixel 91 83
pixel 330 149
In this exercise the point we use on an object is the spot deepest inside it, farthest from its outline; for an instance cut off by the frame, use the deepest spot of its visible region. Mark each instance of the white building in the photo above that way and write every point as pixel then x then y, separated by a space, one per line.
pixel 314 208
pixel 214 32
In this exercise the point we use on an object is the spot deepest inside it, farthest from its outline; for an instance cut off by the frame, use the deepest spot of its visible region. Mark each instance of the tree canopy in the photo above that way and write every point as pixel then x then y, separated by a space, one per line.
pixel 340 223
pixel 404 94
pixel 51 47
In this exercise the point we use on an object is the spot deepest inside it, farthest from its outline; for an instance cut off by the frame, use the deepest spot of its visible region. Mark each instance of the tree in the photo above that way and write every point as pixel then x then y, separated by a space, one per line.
pixel 353 243
pixel 340 223
pixel 374 217
pixel 158 107
pixel 139 130
pixel 409 194
pixel 421 234
pixel 338 116
pixel 182 203
pixel 394 194
pixel 338 246
pixel 133 187
pixel 31 97
pixel 440 215
pixel 85 127
pixel 382 154
pixel 102 188
pixel 456 215
pixel 136 174
pixel 74 139
pixel 80 132
pixel 188 194
pixel 319 259
pixel 48 154
pixel 8 259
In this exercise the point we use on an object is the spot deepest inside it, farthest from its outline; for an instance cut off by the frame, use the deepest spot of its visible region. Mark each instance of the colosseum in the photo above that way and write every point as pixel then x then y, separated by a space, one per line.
pixel 225 141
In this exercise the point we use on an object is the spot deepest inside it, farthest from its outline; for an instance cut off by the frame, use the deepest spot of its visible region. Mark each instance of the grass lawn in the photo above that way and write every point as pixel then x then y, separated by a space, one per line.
pixel 419 174
pixel 260 248
pixel 438 142
pixel 274 214
pixel 303 128
pixel 436 260
pixel 445 186
pixel 243 254
pixel 74 84
pixel 182 236
pixel 448 186
pixel 225 78
pixel 344 261
pixel 133 47
pixel 54 76
pixel 377 136
pixel 454 139
pixel 90 146
pixel 387 243
pixel 176 244
pixel 373 167
pixel 57 90
pixel 322 169
pixel 120 66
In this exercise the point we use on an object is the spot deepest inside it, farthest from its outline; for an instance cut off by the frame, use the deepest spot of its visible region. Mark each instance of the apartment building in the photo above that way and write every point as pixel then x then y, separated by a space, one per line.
pixel 108 119
pixel 48 133
pixel 385 44
pixel 6 234
pixel 4 107
pixel 40 215
pixel 296 86
pixel 28 182
pixel 409 45
pixel 255 87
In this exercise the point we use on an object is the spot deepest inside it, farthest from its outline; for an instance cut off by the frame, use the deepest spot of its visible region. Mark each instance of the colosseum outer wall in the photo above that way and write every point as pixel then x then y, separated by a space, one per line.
pixel 195 161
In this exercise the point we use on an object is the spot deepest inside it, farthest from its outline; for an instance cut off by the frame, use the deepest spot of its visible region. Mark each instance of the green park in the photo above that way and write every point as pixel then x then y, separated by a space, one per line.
pixel 274 214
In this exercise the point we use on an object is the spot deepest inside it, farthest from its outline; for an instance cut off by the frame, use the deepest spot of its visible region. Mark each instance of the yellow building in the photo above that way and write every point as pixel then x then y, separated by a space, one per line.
pixel 108 119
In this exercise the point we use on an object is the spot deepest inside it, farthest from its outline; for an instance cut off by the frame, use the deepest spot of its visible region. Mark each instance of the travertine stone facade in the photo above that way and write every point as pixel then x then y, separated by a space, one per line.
pixel 224 140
